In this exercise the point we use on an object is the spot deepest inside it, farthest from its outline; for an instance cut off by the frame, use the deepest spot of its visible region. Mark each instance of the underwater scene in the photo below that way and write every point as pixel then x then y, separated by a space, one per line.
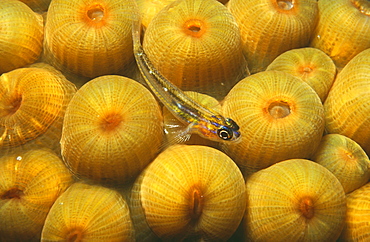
pixel 184 120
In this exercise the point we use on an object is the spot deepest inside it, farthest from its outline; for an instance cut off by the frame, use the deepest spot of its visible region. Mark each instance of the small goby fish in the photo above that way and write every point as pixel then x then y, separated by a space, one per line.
pixel 198 118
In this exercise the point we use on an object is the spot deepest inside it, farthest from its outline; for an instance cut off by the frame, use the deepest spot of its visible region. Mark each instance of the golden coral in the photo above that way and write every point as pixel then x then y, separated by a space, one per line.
pixel 345 159
pixel 142 230
pixel 32 106
pixel 21 35
pixel 88 213
pixel 90 37
pixel 149 8
pixel 348 103
pixel 30 183
pixel 280 117
pixel 112 130
pixel 192 192
pixel 343 29
pixel 270 27
pixel 357 227
pixel 196 45
pixel 294 200
pixel 311 65
pixel 15 193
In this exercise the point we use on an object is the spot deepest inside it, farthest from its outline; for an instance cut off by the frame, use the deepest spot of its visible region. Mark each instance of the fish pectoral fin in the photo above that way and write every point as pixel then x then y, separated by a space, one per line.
pixel 177 133
pixel 183 135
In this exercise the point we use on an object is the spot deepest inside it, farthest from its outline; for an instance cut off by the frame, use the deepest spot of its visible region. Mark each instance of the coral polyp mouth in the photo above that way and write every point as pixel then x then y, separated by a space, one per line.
pixel 347 155
pixel 194 28
pixel 10 107
pixel 279 109
pixel 13 193
pixel 306 207
pixel 96 15
pixel 306 70
pixel 74 236
pixel 110 122
pixel 285 4
pixel 196 203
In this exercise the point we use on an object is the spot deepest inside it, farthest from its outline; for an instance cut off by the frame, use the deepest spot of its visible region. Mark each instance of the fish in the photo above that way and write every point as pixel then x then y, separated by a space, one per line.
pixel 196 118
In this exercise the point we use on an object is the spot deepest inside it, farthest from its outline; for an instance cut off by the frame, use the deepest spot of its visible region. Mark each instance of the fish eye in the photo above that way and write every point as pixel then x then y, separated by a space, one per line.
pixel 224 133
